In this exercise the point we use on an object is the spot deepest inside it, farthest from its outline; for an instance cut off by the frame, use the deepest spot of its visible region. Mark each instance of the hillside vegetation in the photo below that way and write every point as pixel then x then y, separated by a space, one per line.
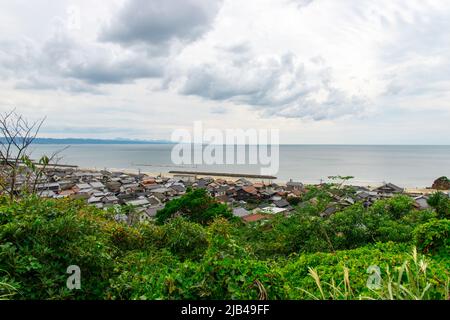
pixel 197 250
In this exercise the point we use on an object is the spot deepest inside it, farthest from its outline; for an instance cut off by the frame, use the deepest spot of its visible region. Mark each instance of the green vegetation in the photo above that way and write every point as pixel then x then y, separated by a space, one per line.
pixel 197 250
pixel 196 206
pixel 440 202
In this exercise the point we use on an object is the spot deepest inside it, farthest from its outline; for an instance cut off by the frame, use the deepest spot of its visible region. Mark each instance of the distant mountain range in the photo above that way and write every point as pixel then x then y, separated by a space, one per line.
pixel 96 141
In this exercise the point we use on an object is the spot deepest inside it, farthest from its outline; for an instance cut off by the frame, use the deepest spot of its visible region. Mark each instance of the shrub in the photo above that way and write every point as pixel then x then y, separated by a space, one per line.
pixel 185 239
pixel 441 203
pixel 433 236
pixel 408 282
pixel 43 237
pixel 196 206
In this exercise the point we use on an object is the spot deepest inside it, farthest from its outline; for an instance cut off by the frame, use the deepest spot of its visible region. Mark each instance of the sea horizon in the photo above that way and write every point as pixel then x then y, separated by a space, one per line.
pixel 412 166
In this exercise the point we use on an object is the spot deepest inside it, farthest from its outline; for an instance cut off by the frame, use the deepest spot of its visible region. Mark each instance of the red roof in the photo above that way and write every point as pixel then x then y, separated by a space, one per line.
pixel 255 217
pixel 250 189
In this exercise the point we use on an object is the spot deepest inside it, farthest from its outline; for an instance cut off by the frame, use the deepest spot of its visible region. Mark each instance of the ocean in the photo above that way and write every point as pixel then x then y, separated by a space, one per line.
pixel 406 166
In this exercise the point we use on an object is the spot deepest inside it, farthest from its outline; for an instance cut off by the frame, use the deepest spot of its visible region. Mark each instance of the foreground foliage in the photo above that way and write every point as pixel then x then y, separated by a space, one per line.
pixel 212 256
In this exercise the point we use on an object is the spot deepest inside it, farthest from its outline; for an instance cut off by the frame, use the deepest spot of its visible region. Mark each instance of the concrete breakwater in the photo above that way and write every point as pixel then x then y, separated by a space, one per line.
pixel 222 174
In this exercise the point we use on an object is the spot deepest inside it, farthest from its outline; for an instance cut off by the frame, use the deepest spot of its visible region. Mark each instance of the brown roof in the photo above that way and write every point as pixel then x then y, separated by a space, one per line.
pixel 222 199
pixel 250 189
pixel 149 181
pixel 255 217
pixel 258 185
pixel 296 192
pixel 67 192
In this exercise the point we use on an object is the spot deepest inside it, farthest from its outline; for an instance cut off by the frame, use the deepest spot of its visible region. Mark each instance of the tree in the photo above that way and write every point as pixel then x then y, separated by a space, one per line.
pixel 18 172
pixel 196 206
pixel 441 203
pixel 340 180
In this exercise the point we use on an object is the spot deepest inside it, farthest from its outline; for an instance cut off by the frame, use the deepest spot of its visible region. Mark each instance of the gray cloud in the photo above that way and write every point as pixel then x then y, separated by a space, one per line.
pixel 158 23
pixel 219 110
pixel 278 86
pixel 64 63
pixel 146 31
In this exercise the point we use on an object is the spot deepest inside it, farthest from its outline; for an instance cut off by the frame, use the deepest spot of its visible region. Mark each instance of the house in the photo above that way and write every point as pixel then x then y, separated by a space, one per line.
pixel 270 210
pixel 148 181
pixel 178 188
pixel 47 194
pixel 94 200
pixel 97 185
pixel 281 203
pixel 388 188
pixel 243 182
pixel 267 193
pixel 201 184
pixel 83 175
pixel 329 211
pixel 276 198
pixel 363 195
pixel 240 212
pixel 347 201
pixel 77 196
pixel 255 217
pixel 110 200
pixel 55 187
pixel 127 180
pixel 123 197
pixel 154 201
pixel 295 193
pixel 259 185
pixel 66 184
pixel 246 193
pixel 151 212
pixel 223 199
pixel 292 185
pixel 66 193
pixel 130 187
pixel 163 194
pixel 220 191
pixel 186 178
pixel 273 185
pixel 138 202
pixel 421 202
pixel 81 187
pixel 113 186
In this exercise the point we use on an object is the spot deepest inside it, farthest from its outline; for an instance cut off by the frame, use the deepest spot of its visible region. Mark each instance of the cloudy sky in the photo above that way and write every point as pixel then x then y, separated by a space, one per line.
pixel 321 71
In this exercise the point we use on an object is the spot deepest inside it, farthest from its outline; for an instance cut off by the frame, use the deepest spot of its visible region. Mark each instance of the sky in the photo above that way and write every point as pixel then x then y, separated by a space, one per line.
pixel 320 71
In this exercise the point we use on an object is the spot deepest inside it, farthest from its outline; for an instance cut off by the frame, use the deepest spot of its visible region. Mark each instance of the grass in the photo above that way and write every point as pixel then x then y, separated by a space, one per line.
pixel 6 291
pixel 408 282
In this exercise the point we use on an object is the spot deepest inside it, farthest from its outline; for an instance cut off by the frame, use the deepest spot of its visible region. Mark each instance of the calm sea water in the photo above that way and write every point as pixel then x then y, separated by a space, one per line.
pixel 407 166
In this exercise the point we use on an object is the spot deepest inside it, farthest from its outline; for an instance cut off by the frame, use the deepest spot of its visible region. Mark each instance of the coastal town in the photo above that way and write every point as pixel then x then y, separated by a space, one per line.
pixel 249 199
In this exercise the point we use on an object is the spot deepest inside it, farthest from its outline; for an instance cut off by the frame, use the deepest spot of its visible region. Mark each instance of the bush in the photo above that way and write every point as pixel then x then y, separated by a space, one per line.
pixel 41 238
pixel 185 239
pixel 222 259
pixel 304 273
pixel 196 206
pixel 433 236
pixel 441 203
